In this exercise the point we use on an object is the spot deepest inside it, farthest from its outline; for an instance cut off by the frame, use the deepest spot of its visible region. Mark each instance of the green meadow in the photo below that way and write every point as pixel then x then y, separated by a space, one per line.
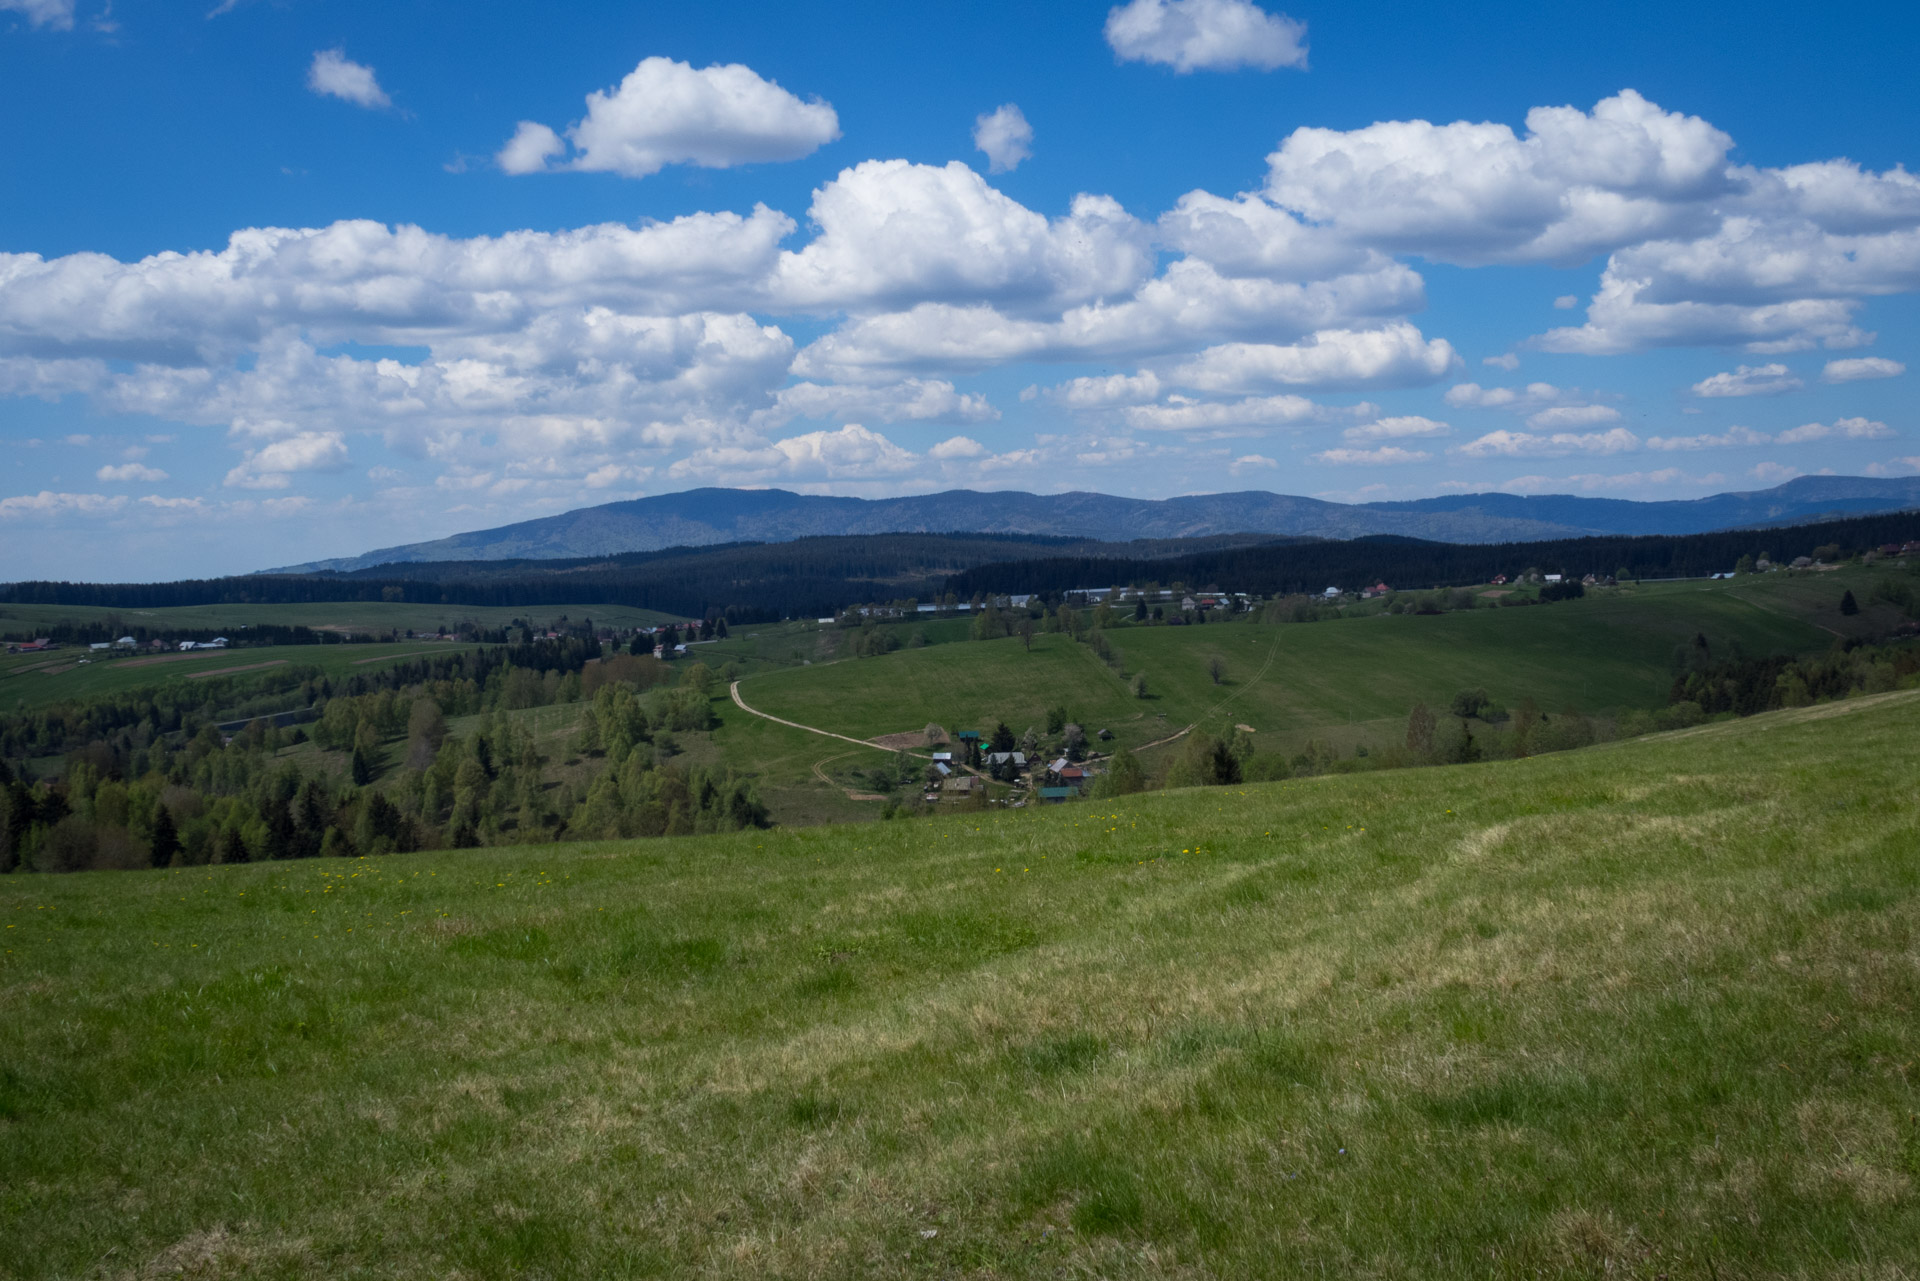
pixel 34 680
pixel 1350 680
pixel 1641 1010
pixel 345 616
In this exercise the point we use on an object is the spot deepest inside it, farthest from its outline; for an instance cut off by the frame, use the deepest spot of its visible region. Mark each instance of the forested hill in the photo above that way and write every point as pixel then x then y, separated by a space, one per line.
pixel 1271 570
pixel 813 577
pixel 749 582
pixel 705 517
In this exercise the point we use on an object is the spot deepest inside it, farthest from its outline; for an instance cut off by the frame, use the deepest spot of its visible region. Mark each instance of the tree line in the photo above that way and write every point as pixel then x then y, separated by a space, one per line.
pixel 1308 567
pixel 151 781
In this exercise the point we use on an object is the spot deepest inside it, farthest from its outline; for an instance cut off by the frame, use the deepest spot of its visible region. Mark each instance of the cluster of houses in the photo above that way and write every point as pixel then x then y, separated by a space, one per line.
pixel 964 774
pixel 126 644
pixel 1076 596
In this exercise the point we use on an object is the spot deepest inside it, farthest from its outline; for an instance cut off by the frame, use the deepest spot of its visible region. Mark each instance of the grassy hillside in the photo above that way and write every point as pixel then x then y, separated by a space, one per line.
pixel 349 616
pixel 1352 679
pixel 33 680
pixel 1641 1010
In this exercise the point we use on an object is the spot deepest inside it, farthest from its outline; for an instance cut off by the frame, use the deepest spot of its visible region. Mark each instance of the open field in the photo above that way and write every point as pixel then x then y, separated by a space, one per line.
pixel 34 680
pixel 1640 1010
pixel 350 616
pixel 1350 680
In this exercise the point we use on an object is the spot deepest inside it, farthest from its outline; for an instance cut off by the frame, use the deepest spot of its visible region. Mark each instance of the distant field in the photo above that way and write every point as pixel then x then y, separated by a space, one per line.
pixel 1352 680
pixel 1637 1011
pixel 358 616
pixel 33 680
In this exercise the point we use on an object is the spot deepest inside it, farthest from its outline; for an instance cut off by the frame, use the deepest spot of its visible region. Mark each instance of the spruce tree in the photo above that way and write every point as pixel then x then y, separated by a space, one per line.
pixel 1848 605
pixel 166 841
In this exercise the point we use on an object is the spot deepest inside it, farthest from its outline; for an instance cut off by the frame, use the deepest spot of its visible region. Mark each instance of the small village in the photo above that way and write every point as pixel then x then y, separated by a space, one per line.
pixel 963 767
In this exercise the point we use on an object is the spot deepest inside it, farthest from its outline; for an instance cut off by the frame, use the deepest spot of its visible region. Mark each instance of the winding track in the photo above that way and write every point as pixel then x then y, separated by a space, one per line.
pixel 1273 652
pixel 741 703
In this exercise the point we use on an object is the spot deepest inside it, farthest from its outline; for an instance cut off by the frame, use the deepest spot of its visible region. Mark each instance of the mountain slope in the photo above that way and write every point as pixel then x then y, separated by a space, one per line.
pixel 700 517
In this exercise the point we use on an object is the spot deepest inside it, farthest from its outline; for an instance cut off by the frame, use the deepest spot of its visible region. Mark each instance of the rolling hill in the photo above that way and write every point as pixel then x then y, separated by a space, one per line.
pixel 1639 1010
pixel 700 517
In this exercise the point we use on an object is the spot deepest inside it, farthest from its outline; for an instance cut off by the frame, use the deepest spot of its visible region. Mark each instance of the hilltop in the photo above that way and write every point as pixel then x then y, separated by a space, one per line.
pixel 702 517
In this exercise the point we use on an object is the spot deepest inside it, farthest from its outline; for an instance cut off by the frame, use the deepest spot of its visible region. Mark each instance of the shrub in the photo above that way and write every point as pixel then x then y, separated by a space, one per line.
pixel 1469 702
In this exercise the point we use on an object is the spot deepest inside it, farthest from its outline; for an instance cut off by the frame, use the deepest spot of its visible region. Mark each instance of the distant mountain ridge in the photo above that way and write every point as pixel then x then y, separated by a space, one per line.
pixel 703 517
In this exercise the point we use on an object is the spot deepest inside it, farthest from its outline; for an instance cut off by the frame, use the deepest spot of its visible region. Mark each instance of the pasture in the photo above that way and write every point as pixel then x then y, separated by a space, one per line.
pixel 34 680
pixel 1644 1009
pixel 1348 680
pixel 371 617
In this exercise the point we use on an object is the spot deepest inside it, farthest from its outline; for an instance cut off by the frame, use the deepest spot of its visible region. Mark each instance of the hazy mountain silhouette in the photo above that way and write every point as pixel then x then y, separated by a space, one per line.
pixel 700 517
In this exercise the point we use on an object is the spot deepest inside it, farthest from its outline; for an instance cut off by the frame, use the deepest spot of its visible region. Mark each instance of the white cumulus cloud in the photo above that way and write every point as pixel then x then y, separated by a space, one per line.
pixel 1860 368
pixel 1206 35
pixel 957 447
pixel 913 400
pixel 666 112
pixel 901 234
pixel 1732 438
pixel 130 471
pixel 47 503
pixel 1520 444
pixel 1251 414
pixel 532 146
pixel 271 466
pixel 57 14
pixel 851 453
pixel 1005 136
pixel 1102 392
pixel 1576 184
pixel 1519 400
pixel 1839 429
pixel 1395 355
pixel 1404 427
pixel 1561 416
pixel 334 75
pixel 1749 380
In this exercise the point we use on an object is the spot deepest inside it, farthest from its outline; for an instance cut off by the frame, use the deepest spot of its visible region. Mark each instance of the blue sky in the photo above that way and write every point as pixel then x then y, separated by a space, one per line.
pixel 282 280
